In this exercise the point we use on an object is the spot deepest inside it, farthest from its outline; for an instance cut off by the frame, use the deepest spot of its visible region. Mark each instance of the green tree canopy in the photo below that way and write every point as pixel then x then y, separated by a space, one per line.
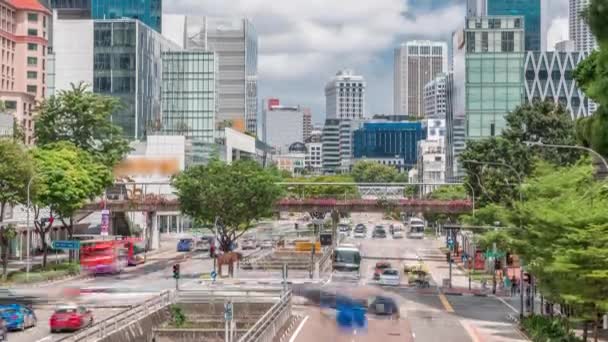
pixel 592 77
pixel 494 183
pixel 564 235
pixel 547 122
pixel 236 194
pixel 449 192
pixel 83 118
pixel 16 170
pixel 372 172
pixel 67 177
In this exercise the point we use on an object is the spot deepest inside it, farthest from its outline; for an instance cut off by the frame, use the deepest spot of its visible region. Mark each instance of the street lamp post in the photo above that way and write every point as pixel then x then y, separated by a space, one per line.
pixel 27 228
pixel 571 147
pixel 521 200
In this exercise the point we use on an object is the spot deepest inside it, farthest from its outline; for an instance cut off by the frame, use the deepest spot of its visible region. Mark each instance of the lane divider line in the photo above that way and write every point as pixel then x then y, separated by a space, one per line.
pixel 507 304
pixel 297 332
pixel 446 304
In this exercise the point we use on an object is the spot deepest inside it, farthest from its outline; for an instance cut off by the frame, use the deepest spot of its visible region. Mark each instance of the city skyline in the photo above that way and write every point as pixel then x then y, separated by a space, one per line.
pixel 323 38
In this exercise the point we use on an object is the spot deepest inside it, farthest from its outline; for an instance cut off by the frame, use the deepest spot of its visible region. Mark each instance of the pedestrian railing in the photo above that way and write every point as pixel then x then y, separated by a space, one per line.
pixel 235 295
pixel 268 326
pixel 325 260
pixel 112 324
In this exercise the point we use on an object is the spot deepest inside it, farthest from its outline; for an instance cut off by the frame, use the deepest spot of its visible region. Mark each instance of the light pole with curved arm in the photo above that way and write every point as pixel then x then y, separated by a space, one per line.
pixel 521 199
pixel 570 147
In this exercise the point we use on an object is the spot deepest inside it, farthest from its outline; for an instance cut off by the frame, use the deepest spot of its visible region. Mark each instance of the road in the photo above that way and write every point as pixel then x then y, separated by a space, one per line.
pixel 425 314
pixel 110 295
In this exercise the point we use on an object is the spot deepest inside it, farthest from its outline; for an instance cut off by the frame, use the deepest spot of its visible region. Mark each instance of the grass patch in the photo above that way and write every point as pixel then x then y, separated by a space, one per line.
pixel 478 275
pixel 40 274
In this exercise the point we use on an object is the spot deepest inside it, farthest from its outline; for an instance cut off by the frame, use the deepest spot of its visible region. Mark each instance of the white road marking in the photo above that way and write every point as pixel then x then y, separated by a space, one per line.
pixel 507 304
pixel 48 338
pixel 297 332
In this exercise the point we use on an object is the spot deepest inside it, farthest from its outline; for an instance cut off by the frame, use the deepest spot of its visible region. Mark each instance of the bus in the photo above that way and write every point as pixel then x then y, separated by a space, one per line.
pixel 415 227
pixel 103 256
pixel 346 261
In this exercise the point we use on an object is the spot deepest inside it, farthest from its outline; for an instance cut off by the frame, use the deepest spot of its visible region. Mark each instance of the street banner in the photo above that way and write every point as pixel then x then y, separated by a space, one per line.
pixel 105 221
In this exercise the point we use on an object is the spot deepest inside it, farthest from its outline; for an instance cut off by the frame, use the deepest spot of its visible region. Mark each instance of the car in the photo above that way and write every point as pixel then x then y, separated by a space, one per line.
pixel 380 267
pixel 202 245
pixel 249 244
pixel 344 228
pixel 17 317
pixel 398 234
pixel 267 244
pixel 185 245
pixel 379 232
pixel 383 306
pixel 360 233
pixel 70 318
pixel 390 277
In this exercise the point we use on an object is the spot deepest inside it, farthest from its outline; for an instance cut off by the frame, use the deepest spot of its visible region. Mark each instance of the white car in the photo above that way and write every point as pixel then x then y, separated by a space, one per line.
pixel 360 234
pixel 267 244
pixel 398 234
pixel 390 277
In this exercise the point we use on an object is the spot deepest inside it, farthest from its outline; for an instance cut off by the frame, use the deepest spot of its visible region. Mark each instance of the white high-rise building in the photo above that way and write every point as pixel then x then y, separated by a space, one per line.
pixel 416 64
pixel 435 97
pixel 584 40
pixel 345 96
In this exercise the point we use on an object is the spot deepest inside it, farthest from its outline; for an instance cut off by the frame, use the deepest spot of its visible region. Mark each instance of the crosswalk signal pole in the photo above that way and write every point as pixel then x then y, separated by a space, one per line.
pixel 176 276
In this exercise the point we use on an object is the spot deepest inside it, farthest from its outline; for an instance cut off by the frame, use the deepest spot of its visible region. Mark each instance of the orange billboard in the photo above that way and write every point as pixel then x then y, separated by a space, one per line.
pixel 146 166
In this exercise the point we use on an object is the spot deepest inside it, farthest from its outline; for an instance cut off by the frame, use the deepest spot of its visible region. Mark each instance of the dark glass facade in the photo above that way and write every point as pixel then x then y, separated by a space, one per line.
pixel 127 65
pixel 389 140
pixel 529 9
pixel 147 11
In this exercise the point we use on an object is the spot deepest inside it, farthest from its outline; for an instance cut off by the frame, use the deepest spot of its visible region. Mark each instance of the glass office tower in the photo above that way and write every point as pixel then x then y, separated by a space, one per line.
pixel 494 56
pixel 127 65
pixel 189 101
pixel 529 9
pixel 147 11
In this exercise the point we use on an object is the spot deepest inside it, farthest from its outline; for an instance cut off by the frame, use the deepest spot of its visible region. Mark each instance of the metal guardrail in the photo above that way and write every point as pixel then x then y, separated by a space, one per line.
pixel 325 260
pixel 266 328
pixel 237 295
pixel 106 327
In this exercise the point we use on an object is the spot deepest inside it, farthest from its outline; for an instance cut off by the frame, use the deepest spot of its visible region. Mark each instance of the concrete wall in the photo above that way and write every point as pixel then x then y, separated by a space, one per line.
pixel 140 331
pixel 193 335
pixel 73 49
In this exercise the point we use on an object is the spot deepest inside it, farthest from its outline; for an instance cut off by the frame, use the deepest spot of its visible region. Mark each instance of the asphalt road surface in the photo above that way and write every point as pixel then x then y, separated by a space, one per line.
pixel 425 314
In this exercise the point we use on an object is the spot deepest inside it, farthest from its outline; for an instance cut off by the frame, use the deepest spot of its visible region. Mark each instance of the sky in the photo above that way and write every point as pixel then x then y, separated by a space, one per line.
pixel 303 43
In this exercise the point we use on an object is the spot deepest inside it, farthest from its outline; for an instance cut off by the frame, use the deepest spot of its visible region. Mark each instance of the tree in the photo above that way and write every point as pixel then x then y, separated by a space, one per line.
pixel 449 192
pixel 84 119
pixel 16 169
pixel 236 194
pixel 67 177
pixel 547 122
pixel 564 236
pixel 493 183
pixel 591 76
pixel 372 172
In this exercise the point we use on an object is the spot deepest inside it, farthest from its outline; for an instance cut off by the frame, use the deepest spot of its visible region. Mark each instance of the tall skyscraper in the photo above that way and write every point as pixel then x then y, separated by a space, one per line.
pixel 494 74
pixel 147 11
pixel 235 42
pixel 416 64
pixel 120 58
pixel 580 33
pixel 307 129
pixel 529 9
pixel 25 26
pixel 345 96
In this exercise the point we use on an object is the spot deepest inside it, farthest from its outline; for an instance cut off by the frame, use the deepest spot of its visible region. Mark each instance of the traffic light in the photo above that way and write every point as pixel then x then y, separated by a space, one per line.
pixel 176 271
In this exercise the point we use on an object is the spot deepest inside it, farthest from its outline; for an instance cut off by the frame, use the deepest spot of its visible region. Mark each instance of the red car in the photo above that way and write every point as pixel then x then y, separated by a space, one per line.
pixel 70 317
pixel 380 267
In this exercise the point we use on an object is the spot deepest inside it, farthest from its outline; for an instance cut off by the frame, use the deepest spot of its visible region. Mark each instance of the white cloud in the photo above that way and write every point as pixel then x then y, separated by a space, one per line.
pixel 307 41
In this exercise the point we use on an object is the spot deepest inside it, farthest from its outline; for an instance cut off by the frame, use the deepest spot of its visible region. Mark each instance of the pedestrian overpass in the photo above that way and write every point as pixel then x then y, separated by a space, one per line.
pixel 155 199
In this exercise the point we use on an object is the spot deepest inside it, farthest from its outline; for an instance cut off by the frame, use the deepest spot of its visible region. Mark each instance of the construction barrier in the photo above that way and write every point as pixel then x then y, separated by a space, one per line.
pixel 307 246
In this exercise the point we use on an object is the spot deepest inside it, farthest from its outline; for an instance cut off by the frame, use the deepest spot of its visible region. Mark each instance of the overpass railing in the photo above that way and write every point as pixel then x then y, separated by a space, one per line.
pixel 114 323
pixel 267 327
